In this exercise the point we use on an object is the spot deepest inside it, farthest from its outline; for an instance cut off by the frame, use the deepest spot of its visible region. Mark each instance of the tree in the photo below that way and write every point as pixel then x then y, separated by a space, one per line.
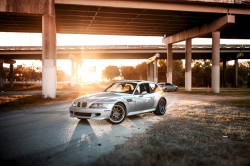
pixel 197 74
pixel 61 76
pixel 141 70
pixel 162 69
pixel 206 67
pixel 129 73
pixel 110 72
pixel 178 73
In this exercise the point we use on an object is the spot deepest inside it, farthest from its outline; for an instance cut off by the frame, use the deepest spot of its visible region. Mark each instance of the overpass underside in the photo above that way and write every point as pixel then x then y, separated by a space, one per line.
pixel 175 20
pixel 121 54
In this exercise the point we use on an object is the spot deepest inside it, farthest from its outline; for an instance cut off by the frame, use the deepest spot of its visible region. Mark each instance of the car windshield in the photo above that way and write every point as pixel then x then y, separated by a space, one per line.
pixel 120 87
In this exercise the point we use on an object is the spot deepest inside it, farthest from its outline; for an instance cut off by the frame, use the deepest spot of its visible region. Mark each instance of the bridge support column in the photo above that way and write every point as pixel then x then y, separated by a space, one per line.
pixel 49 52
pixel 215 62
pixel 156 71
pixel 1 75
pixel 151 70
pixel 11 75
pixel 80 77
pixel 236 79
pixel 188 69
pixel 148 72
pixel 224 72
pixel 169 64
pixel 72 82
pixel 77 75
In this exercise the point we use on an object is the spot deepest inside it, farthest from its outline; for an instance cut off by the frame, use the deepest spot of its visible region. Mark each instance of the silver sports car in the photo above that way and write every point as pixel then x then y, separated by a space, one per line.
pixel 120 99
pixel 167 87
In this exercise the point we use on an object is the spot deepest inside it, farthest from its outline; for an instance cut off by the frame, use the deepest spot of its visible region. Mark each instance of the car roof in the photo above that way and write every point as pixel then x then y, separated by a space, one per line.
pixel 135 81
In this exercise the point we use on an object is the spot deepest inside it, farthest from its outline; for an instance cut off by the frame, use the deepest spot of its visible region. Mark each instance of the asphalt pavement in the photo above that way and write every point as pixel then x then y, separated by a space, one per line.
pixel 46 135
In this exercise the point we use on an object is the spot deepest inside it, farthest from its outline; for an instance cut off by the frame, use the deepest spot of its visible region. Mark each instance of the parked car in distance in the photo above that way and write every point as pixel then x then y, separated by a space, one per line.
pixel 120 99
pixel 91 84
pixel 167 87
pixel 76 85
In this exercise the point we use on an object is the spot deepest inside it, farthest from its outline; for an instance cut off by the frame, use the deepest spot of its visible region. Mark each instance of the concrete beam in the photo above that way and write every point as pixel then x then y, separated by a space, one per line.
pixel 170 64
pixel 215 62
pixel 156 71
pixel 153 58
pixel 72 83
pixel 9 61
pixel 37 7
pixel 148 72
pixel 185 7
pixel 49 55
pixel 188 68
pixel 224 72
pixel 151 70
pixel 216 25
pixel 11 75
pixel 236 76
pixel 1 75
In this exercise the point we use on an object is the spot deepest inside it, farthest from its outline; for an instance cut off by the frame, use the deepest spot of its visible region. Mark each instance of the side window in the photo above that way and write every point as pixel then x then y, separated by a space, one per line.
pixel 144 87
pixel 137 91
pixel 154 88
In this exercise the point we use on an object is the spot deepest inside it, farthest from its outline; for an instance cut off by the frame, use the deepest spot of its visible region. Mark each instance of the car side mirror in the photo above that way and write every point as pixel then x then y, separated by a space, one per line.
pixel 143 93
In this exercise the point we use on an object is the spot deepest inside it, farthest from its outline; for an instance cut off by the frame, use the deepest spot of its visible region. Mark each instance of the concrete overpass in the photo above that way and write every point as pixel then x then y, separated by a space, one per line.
pixel 175 20
pixel 227 52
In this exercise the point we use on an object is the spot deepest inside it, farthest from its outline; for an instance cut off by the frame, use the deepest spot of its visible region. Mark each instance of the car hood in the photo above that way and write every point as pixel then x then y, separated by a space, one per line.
pixel 105 97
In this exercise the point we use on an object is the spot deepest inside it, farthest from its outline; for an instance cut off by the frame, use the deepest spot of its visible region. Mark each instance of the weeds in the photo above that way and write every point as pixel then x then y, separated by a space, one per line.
pixel 194 133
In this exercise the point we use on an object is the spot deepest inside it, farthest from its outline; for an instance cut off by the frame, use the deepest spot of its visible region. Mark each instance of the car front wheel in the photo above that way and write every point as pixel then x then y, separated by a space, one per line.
pixel 161 107
pixel 118 114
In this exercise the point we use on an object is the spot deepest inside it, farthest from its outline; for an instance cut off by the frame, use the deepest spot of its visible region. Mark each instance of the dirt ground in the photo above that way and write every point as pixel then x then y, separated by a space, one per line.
pixel 199 131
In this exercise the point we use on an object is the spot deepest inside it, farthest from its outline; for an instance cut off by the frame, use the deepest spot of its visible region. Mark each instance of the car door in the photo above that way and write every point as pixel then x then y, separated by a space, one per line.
pixel 157 93
pixel 170 88
pixel 143 102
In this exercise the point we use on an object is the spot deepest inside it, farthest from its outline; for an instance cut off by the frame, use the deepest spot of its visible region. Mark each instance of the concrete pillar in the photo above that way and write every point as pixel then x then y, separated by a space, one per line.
pixel 11 75
pixel 77 73
pixel 80 77
pixel 148 72
pixel 188 69
pixel 151 70
pixel 156 71
pixel 224 72
pixel 215 62
pixel 49 52
pixel 169 64
pixel 72 72
pixel 236 79
pixel 1 75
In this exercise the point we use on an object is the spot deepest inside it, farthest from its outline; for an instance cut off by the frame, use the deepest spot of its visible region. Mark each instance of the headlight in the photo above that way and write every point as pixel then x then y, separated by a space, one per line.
pixel 98 105
pixel 74 103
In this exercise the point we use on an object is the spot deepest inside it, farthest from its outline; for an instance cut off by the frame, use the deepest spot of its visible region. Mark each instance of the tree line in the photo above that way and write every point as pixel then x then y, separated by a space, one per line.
pixel 31 73
pixel 201 73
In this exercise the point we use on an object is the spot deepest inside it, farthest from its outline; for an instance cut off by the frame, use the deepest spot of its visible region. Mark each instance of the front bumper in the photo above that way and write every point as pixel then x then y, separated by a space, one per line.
pixel 90 113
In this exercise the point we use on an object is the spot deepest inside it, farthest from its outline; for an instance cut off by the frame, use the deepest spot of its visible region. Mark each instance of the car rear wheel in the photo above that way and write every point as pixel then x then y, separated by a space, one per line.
pixel 161 107
pixel 118 114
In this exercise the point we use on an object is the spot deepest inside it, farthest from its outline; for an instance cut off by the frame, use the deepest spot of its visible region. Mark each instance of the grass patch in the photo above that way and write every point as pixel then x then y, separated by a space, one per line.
pixel 22 87
pixel 23 101
pixel 236 102
pixel 194 133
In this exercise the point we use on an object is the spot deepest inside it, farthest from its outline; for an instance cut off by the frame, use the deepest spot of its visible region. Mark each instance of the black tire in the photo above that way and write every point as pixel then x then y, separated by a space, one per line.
pixel 161 107
pixel 176 89
pixel 118 114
